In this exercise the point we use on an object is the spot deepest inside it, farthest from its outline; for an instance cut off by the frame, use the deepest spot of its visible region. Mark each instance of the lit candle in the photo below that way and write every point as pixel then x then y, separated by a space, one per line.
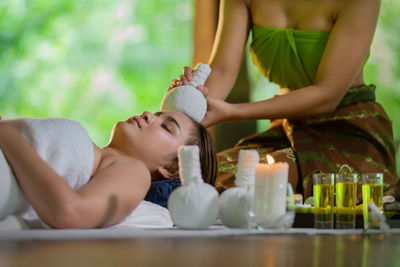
pixel 270 190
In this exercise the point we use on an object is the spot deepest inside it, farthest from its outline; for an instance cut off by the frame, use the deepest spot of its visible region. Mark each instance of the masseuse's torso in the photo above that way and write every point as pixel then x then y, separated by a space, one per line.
pixel 319 15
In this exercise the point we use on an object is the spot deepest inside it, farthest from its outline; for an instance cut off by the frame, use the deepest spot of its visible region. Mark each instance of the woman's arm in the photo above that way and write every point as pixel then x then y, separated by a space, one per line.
pixel 346 50
pixel 229 45
pixel 111 194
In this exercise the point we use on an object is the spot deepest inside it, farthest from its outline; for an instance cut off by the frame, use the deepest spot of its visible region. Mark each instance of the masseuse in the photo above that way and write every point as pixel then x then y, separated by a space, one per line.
pixel 325 118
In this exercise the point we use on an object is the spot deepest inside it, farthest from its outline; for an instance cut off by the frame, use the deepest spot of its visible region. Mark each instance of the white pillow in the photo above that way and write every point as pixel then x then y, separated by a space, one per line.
pixel 147 215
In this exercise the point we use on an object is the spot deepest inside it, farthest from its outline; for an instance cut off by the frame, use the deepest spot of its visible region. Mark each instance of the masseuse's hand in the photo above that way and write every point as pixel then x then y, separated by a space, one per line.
pixel 217 111
pixel 184 79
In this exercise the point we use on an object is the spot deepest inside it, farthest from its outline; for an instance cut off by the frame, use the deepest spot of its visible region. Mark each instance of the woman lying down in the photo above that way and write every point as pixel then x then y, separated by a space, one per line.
pixel 50 169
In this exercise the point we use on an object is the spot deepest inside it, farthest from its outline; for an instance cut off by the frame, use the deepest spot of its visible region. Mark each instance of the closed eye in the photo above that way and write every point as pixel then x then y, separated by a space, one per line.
pixel 169 119
pixel 165 127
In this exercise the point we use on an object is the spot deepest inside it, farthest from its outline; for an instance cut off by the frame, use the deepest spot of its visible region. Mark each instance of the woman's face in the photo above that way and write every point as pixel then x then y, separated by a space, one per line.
pixel 153 138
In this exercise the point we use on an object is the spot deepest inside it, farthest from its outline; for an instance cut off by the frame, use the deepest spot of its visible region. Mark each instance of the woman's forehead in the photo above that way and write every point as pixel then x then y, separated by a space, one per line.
pixel 177 115
pixel 181 119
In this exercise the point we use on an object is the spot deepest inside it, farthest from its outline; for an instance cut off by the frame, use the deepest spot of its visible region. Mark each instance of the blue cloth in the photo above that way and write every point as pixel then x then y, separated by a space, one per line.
pixel 159 191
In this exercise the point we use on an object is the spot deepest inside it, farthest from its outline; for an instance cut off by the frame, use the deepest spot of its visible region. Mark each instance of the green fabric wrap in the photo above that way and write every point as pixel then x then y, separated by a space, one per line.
pixel 288 57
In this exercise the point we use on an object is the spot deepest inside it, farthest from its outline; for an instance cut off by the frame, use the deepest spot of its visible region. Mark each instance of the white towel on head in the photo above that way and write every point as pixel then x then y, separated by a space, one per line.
pixel 64 144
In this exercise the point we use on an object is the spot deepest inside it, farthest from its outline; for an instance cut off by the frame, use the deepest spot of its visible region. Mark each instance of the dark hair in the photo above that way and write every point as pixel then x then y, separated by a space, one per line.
pixel 208 156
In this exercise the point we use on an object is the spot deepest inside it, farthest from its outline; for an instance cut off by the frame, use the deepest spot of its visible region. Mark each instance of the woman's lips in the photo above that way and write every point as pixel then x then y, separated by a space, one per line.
pixel 134 120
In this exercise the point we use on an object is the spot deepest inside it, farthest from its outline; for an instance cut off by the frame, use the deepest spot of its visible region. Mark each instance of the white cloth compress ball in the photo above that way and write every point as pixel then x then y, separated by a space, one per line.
pixel 194 205
pixel 234 207
pixel 187 98
pixel 235 203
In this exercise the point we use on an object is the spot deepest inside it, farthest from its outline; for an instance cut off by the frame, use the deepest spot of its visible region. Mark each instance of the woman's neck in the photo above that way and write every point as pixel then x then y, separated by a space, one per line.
pixel 103 157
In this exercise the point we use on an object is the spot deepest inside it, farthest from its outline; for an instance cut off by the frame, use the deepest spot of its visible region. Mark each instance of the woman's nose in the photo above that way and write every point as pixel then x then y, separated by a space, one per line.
pixel 147 116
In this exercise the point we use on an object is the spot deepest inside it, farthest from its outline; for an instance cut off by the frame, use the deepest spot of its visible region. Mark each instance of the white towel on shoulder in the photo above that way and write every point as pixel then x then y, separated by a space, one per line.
pixel 64 144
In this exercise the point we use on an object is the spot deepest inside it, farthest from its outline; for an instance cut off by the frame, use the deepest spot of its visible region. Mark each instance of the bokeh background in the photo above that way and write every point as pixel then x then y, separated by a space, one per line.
pixel 101 61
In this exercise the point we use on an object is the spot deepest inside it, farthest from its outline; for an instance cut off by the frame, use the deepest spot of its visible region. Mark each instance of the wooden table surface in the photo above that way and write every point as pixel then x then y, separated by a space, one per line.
pixel 256 250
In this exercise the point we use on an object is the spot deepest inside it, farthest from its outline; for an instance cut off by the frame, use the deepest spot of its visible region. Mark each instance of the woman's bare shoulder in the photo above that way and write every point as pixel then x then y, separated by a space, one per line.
pixel 105 161
pixel 132 166
pixel 123 169
pixel 132 163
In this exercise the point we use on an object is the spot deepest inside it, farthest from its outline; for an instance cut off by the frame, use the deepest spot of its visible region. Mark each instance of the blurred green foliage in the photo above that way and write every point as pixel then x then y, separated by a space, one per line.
pixel 383 66
pixel 95 61
pixel 100 61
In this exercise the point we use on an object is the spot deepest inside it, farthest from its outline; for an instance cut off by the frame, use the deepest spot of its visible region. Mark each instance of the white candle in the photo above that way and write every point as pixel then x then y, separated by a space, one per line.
pixel 270 190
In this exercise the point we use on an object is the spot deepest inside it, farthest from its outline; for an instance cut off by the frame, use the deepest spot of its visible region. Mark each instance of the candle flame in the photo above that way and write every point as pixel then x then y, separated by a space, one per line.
pixel 270 159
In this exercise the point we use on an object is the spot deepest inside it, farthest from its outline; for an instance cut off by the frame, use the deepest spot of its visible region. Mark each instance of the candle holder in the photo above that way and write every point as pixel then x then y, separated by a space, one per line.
pixel 271 196
pixel 261 218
